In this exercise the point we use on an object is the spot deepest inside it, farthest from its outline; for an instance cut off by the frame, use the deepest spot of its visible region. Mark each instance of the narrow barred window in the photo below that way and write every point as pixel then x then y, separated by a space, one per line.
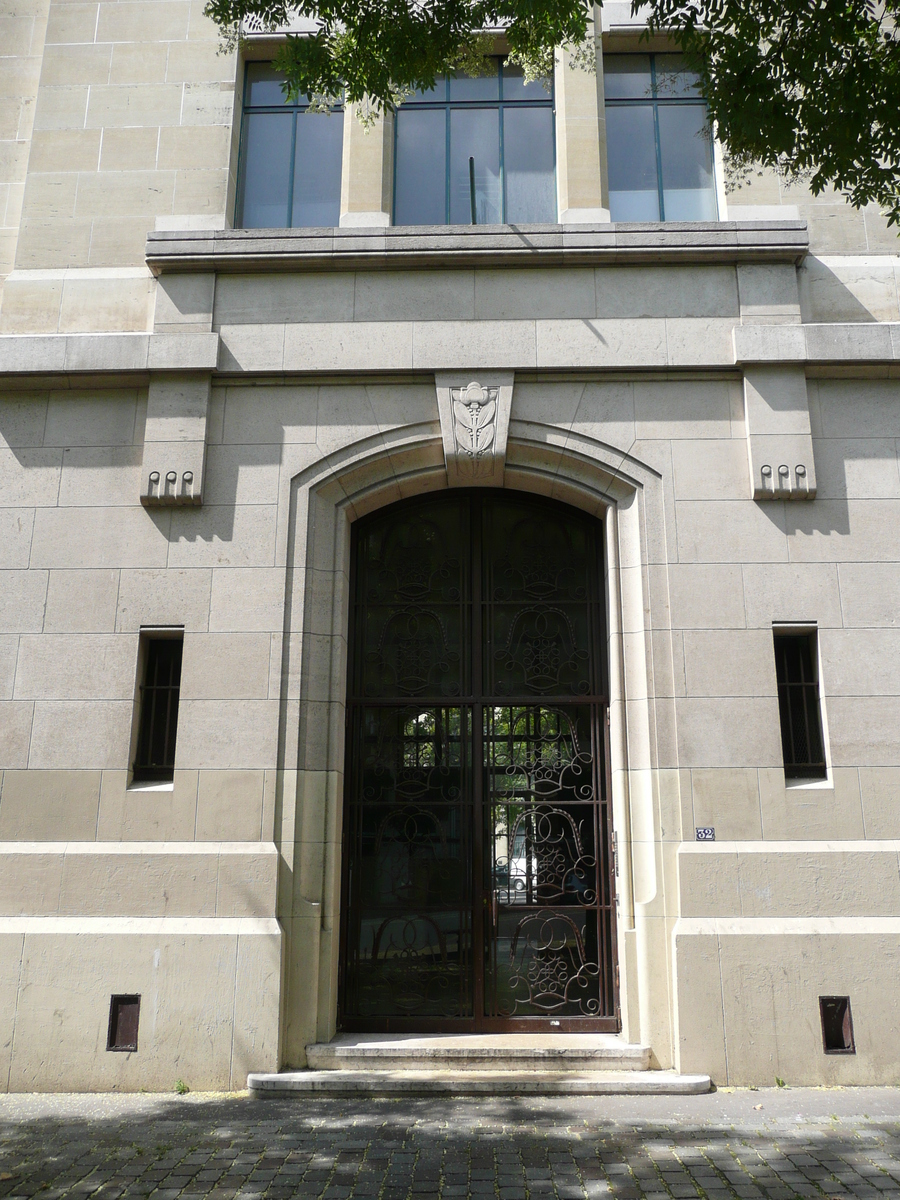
pixel 155 758
pixel 796 667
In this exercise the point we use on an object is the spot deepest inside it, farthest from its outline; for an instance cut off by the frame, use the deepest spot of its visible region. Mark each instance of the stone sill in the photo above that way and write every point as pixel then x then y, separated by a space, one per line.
pixel 457 246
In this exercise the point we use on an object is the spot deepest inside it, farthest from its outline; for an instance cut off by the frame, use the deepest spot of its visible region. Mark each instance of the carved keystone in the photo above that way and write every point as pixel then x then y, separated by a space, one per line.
pixel 474 410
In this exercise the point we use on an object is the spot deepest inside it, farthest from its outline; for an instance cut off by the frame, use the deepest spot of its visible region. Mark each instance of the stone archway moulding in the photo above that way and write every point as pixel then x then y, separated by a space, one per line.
pixel 325 499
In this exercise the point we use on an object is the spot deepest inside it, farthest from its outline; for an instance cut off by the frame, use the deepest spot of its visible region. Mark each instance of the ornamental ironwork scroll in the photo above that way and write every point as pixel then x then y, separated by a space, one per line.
pixel 478 875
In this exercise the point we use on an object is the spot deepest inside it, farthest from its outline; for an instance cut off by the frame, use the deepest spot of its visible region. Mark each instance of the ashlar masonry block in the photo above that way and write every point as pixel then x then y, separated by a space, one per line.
pixel 779 439
pixel 175 440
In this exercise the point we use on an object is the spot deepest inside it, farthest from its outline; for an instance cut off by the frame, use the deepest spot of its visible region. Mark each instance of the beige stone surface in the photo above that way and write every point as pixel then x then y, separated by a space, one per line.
pixel 49 806
pixel 154 958
pixel 23 596
pixel 16 722
pixel 225 666
pixel 829 810
pixel 76 667
pixel 770 979
pixel 626 402
pixel 87 537
pixel 24 29
pixel 81 601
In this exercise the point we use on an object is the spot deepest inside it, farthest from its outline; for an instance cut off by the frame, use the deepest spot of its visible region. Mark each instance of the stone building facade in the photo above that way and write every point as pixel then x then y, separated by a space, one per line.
pixel 195 419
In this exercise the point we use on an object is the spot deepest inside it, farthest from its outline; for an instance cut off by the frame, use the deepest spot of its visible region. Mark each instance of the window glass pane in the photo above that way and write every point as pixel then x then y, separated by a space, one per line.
pixel 626 76
pixel 263 85
pixel 528 165
pixel 631 152
pixel 438 93
pixel 515 87
pixel 481 87
pixel 317 169
pixel 688 192
pixel 475 132
pixel 265 170
pixel 673 79
pixel 420 181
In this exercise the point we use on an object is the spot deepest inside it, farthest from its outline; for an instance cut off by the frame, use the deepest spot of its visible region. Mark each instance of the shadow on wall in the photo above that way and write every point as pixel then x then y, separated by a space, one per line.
pixel 865 291
pixel 810 519
pixel 82 448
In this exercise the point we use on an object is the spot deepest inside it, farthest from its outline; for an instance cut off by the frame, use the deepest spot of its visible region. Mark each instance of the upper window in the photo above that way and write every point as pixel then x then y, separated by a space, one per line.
pixel 500 122
pixel 659 147
pixel 290 164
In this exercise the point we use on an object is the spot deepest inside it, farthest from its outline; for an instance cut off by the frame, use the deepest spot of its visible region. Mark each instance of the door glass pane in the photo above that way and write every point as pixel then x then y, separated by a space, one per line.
pixel 421 170
pixel 631 154
pixel 478 87
pixel 528 165
pixel 687 172
pixel 265 170
pixel 477 856
pixel 317 168
pixel 543 954
pixel 537 610
pixel 410 821
pixel 626 76
pixel 411 604
pixel 475 132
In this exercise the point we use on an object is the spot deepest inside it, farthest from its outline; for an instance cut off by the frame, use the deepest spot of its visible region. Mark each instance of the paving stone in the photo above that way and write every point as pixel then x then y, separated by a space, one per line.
pixel 561 1148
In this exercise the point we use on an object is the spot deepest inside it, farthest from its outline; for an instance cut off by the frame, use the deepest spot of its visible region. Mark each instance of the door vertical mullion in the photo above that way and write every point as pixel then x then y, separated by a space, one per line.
pixel 479 895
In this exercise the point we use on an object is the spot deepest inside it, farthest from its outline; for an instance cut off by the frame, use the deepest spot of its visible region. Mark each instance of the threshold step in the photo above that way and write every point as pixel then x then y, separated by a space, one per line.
pixel 563 1052
pixel 476 1083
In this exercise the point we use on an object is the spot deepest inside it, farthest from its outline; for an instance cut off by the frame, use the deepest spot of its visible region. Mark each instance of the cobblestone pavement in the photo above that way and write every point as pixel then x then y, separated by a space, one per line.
pixel 768 1143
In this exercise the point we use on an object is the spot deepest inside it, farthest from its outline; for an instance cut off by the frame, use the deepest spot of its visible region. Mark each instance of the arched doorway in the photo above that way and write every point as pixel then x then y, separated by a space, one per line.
pixel 477 882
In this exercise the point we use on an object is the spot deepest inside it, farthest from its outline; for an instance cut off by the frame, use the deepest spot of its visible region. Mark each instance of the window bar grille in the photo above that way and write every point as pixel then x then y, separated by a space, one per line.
pixel 155 760
pixel 798 702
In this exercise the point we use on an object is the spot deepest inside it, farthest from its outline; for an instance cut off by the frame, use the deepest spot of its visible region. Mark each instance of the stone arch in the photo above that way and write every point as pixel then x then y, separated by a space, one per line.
pixel 325 499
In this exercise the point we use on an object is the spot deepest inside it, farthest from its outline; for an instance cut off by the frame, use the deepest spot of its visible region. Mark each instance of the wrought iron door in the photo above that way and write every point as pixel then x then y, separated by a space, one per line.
pixel 477 889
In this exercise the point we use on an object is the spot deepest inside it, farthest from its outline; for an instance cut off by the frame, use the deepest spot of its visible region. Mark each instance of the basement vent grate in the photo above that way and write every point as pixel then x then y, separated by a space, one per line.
pixel 124 1013
pixel 837 1025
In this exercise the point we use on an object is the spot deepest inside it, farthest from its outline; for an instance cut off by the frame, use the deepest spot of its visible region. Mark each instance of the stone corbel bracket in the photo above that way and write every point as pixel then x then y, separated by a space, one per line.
pixel 175 440
pixel 474 407
pixel 779 439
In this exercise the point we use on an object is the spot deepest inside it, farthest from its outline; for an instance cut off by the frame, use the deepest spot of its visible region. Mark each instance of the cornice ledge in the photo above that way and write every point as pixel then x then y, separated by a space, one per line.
pixel 818 344
pixel 79 353
pixel 429 246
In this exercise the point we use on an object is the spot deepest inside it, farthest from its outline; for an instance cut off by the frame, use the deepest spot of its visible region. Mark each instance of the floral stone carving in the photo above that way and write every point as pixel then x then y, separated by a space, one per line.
pixel 474 424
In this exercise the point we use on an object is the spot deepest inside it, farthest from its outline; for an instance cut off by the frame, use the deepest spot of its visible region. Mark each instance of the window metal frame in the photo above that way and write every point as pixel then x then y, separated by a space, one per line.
pixel 654 101
pixel 298 109
pixel 500 105
pixel 811 771
pixel 146 773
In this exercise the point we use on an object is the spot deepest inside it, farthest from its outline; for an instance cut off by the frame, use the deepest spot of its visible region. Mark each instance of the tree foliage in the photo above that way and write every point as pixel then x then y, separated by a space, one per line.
pixel 809 87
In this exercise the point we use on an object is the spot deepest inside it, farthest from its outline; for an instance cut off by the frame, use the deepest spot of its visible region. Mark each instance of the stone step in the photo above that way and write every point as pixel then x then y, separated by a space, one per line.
pixel 476 1083
pixel 564 1052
